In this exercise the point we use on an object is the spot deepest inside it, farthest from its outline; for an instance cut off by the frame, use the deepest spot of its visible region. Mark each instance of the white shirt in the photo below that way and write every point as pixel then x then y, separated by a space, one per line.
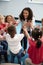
pixel 14 43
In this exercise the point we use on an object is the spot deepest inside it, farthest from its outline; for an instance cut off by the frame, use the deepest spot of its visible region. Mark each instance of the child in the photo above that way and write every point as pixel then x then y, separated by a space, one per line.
pixel 10 20
pixel 35 50
pixel 14 44
pixel 4 42
pixel 2 25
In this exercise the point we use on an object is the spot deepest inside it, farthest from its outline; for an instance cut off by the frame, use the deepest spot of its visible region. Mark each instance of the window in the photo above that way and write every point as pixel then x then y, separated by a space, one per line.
pixel 35 1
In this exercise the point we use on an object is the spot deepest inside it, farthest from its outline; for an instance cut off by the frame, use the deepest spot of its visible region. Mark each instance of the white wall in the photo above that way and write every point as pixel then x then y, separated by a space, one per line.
pixel 14 7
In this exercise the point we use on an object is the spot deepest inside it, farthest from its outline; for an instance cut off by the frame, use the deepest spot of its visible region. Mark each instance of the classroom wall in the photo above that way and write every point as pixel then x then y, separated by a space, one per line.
pixel 14 7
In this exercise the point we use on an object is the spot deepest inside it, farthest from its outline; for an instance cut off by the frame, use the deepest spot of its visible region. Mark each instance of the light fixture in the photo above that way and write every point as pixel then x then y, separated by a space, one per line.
pixel 4 0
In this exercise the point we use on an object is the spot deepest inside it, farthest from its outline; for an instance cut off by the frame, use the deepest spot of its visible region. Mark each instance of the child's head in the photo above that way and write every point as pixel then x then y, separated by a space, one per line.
pixel 37 34
pixel 1 19
pixel 9 18
pixel 26 14
pixel 11 30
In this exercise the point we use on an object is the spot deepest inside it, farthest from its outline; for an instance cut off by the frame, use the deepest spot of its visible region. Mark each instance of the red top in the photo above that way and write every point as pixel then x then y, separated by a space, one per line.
pixel 2 26
pixel 35 54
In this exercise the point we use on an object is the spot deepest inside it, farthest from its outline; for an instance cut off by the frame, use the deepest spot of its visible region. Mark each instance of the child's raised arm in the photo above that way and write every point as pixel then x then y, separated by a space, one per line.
pixel 25 32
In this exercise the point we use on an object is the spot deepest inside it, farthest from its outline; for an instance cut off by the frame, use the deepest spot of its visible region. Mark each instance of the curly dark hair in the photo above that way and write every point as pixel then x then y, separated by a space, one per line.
pixel 29 16
pixel 36 34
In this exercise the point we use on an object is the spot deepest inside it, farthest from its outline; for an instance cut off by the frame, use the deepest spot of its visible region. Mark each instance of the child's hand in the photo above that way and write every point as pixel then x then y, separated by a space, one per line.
pixel 16 23
pixel 24 28
pixel 1 32
pixel 2 37
pixel 25 32
pixel 24 51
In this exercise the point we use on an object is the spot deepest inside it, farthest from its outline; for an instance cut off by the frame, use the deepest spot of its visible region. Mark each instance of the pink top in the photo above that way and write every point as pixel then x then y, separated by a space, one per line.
pixel 35 54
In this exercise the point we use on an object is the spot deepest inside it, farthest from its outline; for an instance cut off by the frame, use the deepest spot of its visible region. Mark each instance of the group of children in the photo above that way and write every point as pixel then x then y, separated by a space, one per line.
pixel 29 32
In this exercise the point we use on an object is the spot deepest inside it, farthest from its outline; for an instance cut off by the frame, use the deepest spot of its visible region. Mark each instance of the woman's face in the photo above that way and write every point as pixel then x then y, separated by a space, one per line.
pixel 25 14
